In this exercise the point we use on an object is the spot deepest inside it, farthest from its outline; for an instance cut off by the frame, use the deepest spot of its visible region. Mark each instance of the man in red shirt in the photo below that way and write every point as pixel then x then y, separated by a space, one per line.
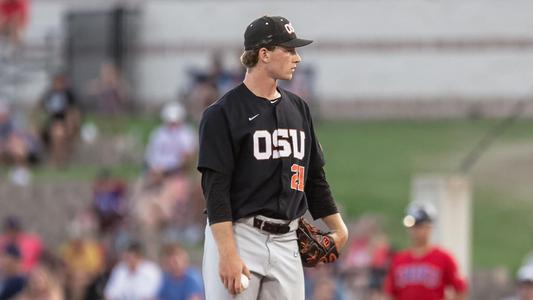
pixel 423 271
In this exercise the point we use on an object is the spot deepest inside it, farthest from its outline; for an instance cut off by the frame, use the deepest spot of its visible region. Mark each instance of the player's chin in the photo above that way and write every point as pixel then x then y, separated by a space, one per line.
pixel 287 76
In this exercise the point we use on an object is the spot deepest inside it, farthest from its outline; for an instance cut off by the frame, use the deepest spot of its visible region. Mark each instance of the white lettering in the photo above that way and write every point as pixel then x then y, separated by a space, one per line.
pixel 298 151
pixel 264 136
pixel 289 28
pixel 281 143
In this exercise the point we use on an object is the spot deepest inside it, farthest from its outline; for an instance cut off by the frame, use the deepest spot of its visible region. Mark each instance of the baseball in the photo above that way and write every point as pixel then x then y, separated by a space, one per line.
pixel 244 281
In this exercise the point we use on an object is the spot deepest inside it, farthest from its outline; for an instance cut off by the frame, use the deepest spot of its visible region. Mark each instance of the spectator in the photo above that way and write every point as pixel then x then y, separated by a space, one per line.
pixel 83 259
pixel 172 145
pixel 201 93
pixel 63 118
pixel 180 281
pixel 13 20
pixel 96 288
pixel 524 280
pixel 367 258
pixel 109 201
pixel 321 284
pixel 325 289
pixel 169 155
pixel 110 90
pixel 223 79
pixel 18 147
pixel 29 244
pixel 207 85
pixel 134 278
pixel 14 280
pixel 42 285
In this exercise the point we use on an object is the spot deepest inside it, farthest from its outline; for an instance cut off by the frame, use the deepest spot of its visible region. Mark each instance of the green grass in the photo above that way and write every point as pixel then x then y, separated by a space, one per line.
pixel 370 166
pixel 85 172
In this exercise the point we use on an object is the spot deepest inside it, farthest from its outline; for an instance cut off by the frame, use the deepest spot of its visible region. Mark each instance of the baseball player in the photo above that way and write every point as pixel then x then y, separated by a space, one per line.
pixel 262 168
pixel 424 271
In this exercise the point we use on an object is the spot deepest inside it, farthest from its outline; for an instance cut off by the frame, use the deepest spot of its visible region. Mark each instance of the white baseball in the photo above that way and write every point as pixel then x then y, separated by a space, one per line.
pixel 244 281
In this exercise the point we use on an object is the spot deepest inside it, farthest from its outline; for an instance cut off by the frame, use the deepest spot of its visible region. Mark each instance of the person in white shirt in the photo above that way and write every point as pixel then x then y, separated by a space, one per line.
pixel 172 145
pixel 164 205
pixel 134 278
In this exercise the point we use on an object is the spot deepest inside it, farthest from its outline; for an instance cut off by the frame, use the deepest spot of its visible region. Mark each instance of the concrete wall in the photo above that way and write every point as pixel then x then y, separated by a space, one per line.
pixel 374 51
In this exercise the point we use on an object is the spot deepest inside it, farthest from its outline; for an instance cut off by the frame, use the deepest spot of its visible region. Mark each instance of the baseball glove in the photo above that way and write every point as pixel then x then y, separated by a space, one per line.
pixel 315 246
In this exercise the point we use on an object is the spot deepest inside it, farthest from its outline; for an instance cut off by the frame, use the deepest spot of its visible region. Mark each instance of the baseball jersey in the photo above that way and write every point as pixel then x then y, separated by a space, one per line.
pixel 266 149
pixel 424 277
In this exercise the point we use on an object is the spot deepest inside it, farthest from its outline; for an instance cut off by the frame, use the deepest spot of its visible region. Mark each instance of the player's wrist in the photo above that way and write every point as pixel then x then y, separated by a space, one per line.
pixel 340 237
pixel 228 253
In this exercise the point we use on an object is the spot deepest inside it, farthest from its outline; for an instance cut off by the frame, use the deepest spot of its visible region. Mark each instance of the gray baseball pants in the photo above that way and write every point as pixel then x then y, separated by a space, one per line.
pixel 273 260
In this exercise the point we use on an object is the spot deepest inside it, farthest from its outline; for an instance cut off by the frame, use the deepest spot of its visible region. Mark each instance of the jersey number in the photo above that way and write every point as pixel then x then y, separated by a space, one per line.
pixel 298 178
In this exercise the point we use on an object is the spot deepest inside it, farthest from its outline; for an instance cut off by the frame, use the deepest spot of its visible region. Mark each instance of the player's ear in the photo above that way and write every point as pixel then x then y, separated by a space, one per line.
pixel 264 55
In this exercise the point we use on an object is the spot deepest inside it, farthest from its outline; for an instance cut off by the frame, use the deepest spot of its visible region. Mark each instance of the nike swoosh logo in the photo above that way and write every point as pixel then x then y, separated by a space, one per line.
pixel 251 118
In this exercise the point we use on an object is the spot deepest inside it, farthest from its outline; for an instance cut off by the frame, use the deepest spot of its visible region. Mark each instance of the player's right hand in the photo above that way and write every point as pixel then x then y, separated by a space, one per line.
pixel 230 269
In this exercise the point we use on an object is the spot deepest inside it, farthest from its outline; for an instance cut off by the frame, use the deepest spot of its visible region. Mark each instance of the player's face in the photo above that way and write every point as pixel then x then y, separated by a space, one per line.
pixel 420 234
pixel 283 61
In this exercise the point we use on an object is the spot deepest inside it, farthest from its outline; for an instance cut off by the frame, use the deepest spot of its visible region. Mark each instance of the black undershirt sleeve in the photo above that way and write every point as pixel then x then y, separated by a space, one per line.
pixel 216 187
pixel 319 198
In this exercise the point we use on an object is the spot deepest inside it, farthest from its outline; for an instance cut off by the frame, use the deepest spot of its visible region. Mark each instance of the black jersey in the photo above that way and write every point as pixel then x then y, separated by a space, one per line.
pixel 267 148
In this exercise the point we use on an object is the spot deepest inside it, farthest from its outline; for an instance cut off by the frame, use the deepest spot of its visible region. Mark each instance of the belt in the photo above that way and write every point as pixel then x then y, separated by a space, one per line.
pixel 273 226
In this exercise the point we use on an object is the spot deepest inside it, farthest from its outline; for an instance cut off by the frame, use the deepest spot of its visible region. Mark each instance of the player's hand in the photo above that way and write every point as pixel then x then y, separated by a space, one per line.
pixel 230 269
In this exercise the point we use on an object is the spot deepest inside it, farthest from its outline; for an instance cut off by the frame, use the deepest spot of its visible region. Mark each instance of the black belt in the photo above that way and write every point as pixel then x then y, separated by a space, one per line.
pixel 271 227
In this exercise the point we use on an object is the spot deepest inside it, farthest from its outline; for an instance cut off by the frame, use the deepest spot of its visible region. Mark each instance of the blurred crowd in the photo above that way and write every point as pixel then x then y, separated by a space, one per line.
pixel 83 268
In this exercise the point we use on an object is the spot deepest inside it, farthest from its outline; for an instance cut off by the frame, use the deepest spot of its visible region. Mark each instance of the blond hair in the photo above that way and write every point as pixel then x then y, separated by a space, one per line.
pixel 249 58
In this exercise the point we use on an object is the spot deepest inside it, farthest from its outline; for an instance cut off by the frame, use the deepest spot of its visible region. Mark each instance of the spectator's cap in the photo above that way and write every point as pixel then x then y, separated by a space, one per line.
pixel 13 251
pixel 173 112
pixel 12 223
pixel 272 31
pixel 418 213
pixel 525 274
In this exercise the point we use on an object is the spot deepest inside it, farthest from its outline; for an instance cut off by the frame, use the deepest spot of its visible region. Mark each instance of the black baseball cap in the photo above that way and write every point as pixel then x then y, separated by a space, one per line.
pixel 418 214
pixel 272 31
